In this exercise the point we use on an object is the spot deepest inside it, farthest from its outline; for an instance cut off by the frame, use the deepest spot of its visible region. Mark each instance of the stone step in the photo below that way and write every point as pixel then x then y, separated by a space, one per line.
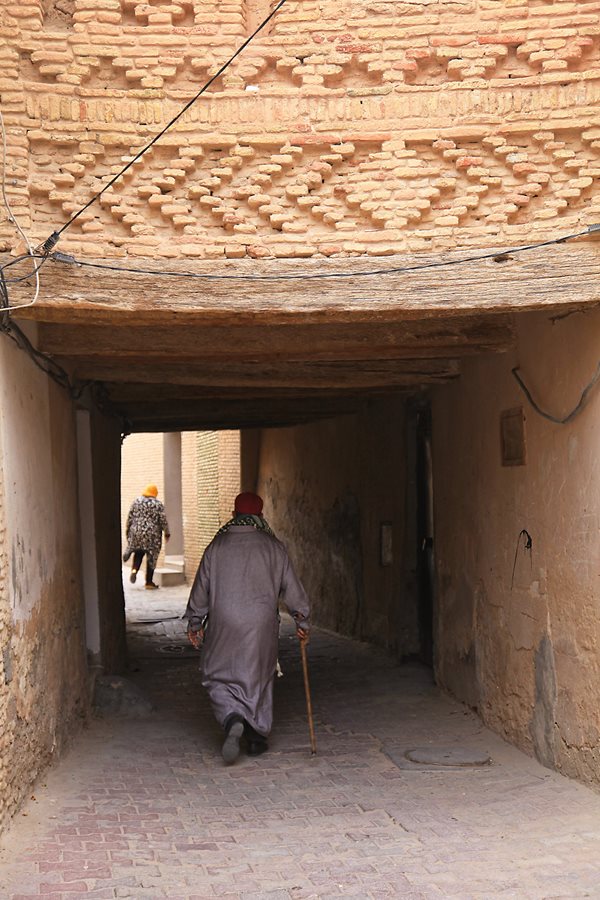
pixel 168 576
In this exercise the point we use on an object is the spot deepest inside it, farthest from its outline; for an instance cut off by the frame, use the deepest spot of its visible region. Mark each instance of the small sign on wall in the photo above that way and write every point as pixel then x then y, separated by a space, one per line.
pixel 386 556
pixel 512 437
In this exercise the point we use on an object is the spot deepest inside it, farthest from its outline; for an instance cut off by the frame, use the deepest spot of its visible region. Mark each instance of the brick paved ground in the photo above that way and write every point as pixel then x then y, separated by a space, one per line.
pixel 145 808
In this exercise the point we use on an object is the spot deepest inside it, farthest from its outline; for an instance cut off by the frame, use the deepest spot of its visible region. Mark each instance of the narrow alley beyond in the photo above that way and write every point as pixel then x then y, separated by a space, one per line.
pixel 143 807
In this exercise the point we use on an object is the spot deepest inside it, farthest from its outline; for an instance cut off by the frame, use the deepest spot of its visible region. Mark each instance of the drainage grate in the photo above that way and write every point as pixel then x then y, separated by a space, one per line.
pixel 177 650
pixel 431 758
pixel 448 756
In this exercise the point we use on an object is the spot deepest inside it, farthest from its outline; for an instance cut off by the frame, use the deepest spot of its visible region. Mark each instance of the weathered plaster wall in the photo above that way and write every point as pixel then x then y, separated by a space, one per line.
pixel 43 672
pixel 524 648
pixel 327 489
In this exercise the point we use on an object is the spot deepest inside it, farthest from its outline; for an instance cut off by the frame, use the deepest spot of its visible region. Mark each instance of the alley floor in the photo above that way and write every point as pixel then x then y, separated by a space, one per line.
pixel 142 805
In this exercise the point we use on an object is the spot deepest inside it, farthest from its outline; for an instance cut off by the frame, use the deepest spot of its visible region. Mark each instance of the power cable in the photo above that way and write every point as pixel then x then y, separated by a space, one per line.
pixel 18 259
pixel 43 361
pixel 52 240
pixel 12 219
pixel 583 400
pixel 499 255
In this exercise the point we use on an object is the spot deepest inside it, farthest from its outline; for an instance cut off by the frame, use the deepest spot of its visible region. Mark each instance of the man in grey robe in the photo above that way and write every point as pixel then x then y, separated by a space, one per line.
pixel 233 610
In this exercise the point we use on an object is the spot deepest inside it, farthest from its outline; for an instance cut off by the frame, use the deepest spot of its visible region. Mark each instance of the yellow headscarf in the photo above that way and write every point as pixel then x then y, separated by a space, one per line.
pixel 150 491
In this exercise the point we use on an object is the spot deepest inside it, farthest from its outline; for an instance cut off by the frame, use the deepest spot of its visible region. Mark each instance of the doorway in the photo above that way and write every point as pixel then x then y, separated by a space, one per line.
pixel 425 568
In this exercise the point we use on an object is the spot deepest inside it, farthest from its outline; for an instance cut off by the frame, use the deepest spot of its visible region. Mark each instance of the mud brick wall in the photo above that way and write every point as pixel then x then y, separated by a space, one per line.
pixel 44 696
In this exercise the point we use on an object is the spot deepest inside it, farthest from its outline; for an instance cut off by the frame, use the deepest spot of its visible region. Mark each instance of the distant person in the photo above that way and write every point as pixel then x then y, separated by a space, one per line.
pixel 146 522
pixel 233 609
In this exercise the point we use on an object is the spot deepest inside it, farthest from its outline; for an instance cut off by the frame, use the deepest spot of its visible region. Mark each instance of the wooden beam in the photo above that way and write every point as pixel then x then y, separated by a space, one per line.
pixel 551 277
pixel 248 413
pixel 324 375
pixel 140 393
pixel 396 340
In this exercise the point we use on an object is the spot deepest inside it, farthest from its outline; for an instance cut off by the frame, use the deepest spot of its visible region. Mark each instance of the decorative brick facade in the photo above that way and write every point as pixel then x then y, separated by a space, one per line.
pixel 347 128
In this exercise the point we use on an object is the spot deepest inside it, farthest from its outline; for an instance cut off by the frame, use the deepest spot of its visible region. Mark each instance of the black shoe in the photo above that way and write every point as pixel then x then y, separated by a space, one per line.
pixel 255 748
pixel 230 750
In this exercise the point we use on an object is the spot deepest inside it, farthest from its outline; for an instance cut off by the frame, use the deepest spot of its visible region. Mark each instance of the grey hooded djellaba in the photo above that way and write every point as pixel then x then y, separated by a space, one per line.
pixel 243 574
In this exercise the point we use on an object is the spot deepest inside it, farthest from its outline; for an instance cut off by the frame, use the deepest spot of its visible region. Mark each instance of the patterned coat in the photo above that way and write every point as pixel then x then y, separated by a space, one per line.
pixel 145 524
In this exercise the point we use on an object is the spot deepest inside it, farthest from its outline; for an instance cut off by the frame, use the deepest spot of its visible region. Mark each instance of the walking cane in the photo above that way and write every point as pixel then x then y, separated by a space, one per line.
pixel 311 727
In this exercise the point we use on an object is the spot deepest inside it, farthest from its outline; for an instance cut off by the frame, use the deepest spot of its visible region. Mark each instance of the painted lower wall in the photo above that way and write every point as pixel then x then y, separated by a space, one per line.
pixel 518 633
pixel 328 487
pixel 43 670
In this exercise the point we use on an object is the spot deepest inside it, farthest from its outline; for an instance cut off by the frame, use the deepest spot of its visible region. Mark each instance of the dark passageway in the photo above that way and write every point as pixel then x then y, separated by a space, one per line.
pixel 143 807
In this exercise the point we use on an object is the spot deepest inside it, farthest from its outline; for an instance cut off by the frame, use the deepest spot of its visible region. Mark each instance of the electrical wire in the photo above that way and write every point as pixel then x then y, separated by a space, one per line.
pixel 307 276
pixel 527 546
pixel 18 259
pixel 12 219
pixel 41 360
pixel 583 400
pixel 52 240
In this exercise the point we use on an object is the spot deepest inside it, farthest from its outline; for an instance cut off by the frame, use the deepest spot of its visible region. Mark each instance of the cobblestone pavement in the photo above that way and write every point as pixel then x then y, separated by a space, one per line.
pixel 144 807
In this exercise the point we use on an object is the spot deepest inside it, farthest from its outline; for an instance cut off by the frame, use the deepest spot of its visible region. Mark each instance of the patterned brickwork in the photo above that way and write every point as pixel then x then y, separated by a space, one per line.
pixel 207 486
pixel 145 808
pixel 189 496
pixel 364 126
pixel 218 480
pixel 229 472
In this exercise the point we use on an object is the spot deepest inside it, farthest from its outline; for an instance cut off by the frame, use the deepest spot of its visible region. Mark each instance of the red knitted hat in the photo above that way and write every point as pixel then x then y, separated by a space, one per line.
pixel 248 504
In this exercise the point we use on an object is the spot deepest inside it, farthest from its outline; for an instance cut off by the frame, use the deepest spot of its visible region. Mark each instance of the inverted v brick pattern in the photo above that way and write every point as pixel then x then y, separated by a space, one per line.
pixel 365 126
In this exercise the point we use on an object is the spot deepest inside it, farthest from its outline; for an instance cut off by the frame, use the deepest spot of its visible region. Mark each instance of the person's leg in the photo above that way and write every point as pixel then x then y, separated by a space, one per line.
pixel 255 743
pixel 149 572
pixel 234 729
pixel 138 556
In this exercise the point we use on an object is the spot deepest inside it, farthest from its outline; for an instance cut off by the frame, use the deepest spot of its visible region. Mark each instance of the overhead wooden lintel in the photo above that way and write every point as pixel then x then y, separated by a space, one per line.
pixel 318 375
pixel 203 422
pixel 201 416
pixel 551 277
pixel 154 394
pixel 430 337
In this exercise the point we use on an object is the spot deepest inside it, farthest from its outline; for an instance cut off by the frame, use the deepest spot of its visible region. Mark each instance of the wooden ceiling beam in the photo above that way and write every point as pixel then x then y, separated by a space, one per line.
pixel 319 375
pixel 552 277
pixel 427 338
pixel 240 414
pixel 141 393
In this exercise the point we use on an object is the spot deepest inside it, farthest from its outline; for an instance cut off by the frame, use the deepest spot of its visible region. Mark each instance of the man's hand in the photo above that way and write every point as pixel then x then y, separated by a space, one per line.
pixel 196 638
pixel 302 634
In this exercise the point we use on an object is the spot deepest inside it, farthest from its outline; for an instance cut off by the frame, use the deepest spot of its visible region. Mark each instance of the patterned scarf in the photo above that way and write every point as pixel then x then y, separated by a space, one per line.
pixel 242 519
